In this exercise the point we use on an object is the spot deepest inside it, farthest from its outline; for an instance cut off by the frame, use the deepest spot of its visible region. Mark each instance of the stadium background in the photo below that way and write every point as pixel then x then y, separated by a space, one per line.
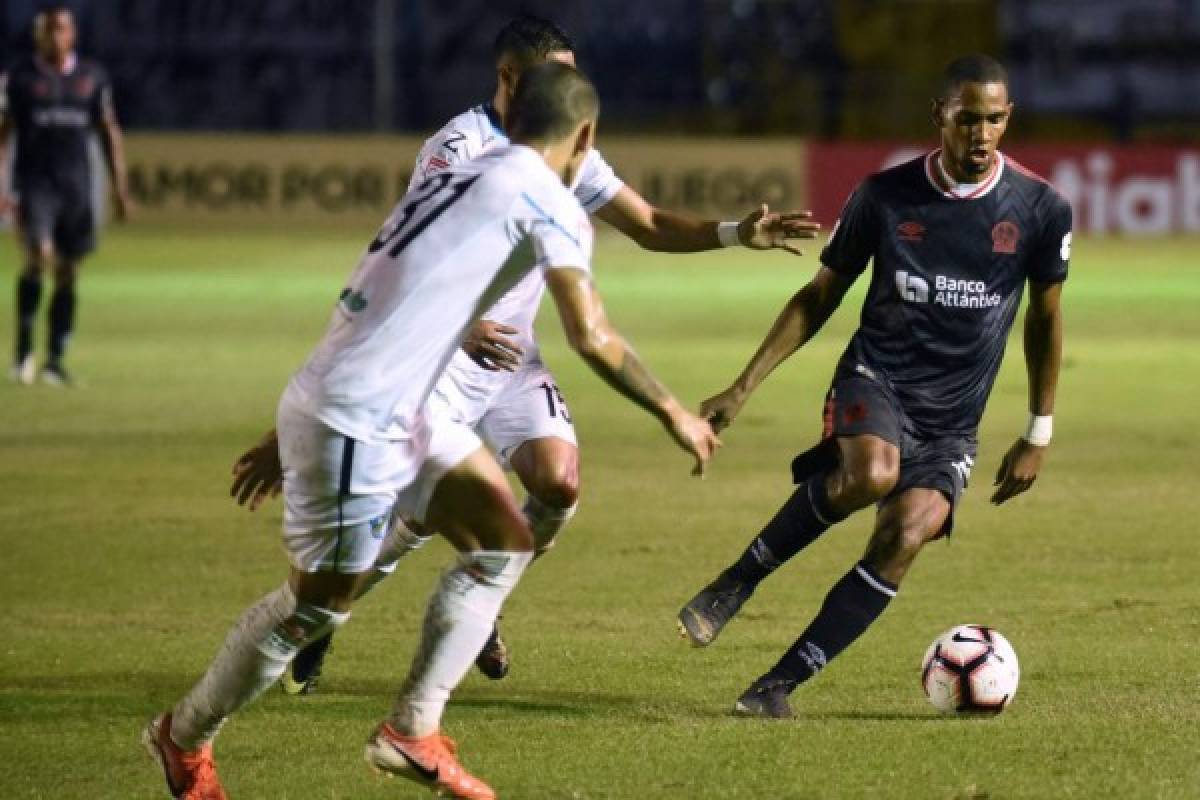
pixel 267 139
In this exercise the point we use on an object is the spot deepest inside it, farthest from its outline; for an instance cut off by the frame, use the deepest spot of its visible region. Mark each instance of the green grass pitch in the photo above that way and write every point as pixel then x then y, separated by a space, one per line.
pixel 123 561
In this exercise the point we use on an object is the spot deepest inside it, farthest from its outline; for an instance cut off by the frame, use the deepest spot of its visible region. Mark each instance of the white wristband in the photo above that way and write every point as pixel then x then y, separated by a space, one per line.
pixel 1040 430
pixel 727 233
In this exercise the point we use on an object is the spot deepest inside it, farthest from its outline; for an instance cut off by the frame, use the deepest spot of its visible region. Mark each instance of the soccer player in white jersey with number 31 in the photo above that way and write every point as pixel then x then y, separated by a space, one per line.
pixel 498 384
pixel 358 446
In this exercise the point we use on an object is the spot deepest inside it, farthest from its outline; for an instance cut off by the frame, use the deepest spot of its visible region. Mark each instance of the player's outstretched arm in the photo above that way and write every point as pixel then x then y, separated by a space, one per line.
pixel 670 232
pixel 799 321
pixel 610 356
pixel 258 473
pixel 1043 357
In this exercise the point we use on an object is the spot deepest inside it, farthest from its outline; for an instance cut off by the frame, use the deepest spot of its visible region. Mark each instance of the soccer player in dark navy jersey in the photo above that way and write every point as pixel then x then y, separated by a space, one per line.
pixel 953 237
pixel 54 101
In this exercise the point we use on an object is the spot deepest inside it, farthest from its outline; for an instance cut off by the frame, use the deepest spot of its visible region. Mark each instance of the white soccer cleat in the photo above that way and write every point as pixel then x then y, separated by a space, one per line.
pixel 24 373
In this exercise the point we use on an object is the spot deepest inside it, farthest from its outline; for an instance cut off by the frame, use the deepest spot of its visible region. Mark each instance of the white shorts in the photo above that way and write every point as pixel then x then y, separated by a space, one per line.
pixel 505 409
pixel 340 493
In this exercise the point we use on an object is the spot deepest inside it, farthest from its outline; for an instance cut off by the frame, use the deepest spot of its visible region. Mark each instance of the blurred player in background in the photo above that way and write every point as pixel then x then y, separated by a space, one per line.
pixel 54 101
pixel 359 444
pixel 498 383
pixel 954 236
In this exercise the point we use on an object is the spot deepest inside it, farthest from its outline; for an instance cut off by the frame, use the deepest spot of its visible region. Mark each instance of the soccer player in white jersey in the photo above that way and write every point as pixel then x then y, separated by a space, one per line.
pixel 358 447
pixel 498 383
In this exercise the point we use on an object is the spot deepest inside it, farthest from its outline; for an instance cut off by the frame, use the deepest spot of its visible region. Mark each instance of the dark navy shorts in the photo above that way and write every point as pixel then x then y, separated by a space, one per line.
pixel 64 217
pixel 856 405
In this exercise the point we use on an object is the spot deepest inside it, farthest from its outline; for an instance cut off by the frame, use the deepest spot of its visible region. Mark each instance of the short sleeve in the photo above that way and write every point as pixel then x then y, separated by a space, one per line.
pixel 446 148
pixel 561 233
pixel 1052 252
pixel 855 235
pixel 597 183
pixel 102 108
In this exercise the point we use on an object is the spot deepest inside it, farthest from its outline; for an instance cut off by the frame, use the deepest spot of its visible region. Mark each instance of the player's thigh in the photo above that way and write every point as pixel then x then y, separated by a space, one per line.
pixel 74 234
pixel 338 493
pixel 473 507
pixel 866 422
pixel 37 213
pixel 531 409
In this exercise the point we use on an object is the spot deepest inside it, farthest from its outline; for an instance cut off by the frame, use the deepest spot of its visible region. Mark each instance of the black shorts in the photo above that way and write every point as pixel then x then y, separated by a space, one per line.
pixel 61 216
pixel 856 405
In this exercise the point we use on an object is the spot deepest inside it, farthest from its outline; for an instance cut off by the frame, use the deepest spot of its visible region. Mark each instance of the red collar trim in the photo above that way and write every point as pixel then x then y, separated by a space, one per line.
pixel 934 173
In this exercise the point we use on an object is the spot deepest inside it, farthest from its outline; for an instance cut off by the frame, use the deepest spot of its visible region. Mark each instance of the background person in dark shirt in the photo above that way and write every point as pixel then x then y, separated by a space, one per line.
pixel 54 100
pixel 954 237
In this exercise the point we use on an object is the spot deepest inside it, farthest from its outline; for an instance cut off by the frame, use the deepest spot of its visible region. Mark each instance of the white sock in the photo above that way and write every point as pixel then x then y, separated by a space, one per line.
pixel 545 521
pixel 458 621
pixel 256 652
pixel 400 541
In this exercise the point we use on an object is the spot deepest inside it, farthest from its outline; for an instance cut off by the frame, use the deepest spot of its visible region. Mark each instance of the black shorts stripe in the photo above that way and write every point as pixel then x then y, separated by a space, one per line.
pixel 343 492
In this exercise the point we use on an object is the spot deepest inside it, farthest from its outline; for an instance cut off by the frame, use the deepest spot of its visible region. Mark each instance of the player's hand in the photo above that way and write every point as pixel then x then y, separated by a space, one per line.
pixel 694 435
pixel 764 230
pixel 488 345
pixel 7 205
pixel 258 474
pixel 122 206
pixel 721 409
pixel 1018 470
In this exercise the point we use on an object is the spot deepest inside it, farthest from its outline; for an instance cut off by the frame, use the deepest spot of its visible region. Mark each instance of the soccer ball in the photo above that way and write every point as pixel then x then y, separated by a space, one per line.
pixel 970 669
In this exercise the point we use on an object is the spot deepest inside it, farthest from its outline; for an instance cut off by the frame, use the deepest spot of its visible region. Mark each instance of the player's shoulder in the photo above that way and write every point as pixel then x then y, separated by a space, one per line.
pixel 1042 194
pixel 19 67
pixel 904 175
pixel 91 68
pixel 466 135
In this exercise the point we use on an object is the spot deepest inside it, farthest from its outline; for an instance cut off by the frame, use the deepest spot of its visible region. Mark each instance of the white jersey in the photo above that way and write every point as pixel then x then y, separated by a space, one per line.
pixel 448 251
pixel 478 131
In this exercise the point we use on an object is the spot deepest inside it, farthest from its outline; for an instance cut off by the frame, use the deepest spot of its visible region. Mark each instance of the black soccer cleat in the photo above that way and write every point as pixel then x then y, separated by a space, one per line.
pixel 493 658
pixel 304 673
pixel 702 619
pixel 767 698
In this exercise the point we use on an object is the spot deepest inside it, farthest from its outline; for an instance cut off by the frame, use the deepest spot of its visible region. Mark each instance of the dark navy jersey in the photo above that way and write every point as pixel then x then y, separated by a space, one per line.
pixel 949 270
pixel 54 115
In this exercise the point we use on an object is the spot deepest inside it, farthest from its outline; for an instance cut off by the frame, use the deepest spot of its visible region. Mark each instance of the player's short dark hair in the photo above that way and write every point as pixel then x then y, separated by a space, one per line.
pixel 530 39
pixel 550 100
pixel 975 68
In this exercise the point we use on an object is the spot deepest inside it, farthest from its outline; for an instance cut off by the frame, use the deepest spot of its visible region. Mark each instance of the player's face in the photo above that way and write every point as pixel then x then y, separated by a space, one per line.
pixel 54 34
pixel 972 122
pixel 510 69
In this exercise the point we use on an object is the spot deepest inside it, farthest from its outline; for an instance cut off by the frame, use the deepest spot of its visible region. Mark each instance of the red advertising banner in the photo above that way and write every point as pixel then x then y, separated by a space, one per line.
pixel 1132 190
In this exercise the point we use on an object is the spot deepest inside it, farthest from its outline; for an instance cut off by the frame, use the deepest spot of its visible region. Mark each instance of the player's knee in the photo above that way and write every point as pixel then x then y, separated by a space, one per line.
pixel 867 484
pixel 558 488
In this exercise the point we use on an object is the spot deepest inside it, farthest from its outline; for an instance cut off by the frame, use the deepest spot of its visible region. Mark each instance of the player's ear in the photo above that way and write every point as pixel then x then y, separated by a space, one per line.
pixel 585 136
pixel 937 112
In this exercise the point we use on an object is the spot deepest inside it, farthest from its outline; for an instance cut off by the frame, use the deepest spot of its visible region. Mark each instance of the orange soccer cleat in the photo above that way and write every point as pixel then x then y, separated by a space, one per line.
pixel 190 776
pixel 428 760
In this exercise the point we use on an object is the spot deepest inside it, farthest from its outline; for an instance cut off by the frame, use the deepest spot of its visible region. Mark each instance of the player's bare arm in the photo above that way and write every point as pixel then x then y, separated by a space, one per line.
pixel 669 232
pixel 801 318
pixel 258 473
pixel 113 144
pixel 1043 358
pixel 610 356
pixel 6 203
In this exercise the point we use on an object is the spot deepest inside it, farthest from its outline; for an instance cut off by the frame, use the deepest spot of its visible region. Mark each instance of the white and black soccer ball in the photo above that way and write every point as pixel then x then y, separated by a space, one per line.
pixel 970 669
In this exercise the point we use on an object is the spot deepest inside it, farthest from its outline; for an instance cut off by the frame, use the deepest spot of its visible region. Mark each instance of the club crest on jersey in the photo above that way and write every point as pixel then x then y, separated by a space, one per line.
pixel 911 232
pixel 1005 236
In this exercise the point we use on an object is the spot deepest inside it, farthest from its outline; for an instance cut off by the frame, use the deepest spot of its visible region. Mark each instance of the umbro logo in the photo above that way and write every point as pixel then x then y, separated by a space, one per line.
pixel 911 232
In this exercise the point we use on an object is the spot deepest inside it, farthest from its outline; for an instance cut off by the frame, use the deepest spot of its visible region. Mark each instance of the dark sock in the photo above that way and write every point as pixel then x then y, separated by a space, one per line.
pixel 29 297
pixel 849 609
pixel 62 321
pixel 804 517
pixel 310 657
